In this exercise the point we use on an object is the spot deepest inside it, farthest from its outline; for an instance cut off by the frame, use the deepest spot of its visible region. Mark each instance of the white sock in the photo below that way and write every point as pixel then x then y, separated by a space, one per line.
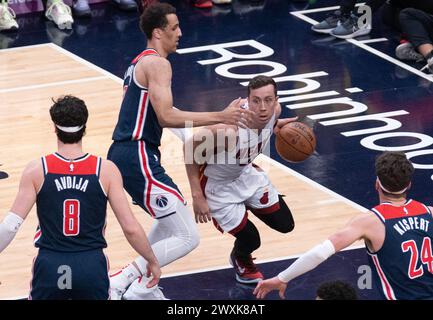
pixel 125 277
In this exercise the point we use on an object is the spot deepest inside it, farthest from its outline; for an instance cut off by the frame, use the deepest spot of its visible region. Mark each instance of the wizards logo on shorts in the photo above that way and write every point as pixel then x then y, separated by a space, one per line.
pixel 161 201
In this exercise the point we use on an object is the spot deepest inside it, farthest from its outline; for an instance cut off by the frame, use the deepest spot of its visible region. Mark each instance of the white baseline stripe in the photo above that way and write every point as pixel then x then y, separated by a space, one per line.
pixel 390 59
pixel 85 62
pixel 373 40
pixel 52 84
pixel 25 47
pixel 323 9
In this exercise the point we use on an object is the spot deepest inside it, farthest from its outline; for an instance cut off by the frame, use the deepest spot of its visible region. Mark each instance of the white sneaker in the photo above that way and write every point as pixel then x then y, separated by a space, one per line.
pixel 7 17
pixel 118 285
pixel 60 14
pixel 406 51
pixel 138 291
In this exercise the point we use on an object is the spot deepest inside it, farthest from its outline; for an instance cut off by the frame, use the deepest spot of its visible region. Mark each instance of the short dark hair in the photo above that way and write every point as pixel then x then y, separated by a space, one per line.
pixel 336 290
pixel 69 111
pixel 261 81
pixel 394 171
pixel 155 16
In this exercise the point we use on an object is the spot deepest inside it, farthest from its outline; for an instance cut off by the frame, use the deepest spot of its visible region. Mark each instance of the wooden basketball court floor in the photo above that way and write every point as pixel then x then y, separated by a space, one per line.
pixel 30 76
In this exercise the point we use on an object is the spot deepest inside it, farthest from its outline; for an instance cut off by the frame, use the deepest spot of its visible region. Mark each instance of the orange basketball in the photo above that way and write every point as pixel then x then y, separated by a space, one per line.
pixel 295 142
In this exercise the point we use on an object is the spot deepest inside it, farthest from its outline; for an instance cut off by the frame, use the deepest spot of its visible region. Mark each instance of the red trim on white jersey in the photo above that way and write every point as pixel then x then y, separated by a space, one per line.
pixel 386 287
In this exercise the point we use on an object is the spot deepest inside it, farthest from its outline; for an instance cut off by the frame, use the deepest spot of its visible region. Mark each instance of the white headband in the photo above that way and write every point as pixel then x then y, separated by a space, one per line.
pixel 69 129
pixel 392 192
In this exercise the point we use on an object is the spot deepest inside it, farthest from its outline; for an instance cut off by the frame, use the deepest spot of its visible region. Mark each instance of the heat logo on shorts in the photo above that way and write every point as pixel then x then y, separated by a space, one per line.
pixel 161 201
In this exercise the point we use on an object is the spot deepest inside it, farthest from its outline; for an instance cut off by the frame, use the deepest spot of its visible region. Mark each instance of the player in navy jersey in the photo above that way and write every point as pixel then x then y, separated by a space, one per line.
pixel 397 233
pixel 71 189
pixel 228 183
pixel 147 107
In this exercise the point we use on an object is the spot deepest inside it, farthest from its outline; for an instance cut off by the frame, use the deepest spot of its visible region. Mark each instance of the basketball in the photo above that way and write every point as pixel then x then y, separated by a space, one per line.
pixel 295 142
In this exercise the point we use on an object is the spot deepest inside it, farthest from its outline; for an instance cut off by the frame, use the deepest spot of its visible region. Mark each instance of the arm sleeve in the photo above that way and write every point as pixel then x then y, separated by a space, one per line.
pixel 8 229
pixel 308 261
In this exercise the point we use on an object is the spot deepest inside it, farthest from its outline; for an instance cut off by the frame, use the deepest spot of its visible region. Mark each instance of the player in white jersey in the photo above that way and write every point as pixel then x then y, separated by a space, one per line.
pixel 225 183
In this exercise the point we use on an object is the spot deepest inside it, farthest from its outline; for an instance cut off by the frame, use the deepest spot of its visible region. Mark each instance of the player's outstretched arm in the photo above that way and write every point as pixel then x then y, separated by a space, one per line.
pixel 354 230
pixel 24 201
pixel 133 231
pixel 159 75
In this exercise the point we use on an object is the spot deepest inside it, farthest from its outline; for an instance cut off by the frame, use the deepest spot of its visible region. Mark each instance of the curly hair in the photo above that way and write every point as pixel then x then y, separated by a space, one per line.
pixel 394 171
pixel 69 111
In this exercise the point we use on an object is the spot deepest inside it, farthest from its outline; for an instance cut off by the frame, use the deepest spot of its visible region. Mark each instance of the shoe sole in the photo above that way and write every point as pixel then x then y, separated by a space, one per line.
pixel 242 280
pixel 252 281
pixel 326 31
pixel 352 35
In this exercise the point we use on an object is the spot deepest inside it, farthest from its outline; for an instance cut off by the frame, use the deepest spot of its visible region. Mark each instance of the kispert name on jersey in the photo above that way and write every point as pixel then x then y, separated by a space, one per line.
pixel 404 264
pixel 71 204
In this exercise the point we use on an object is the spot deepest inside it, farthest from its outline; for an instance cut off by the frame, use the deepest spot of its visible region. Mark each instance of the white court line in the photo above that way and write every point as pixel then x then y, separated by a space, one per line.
pixel 52 84
pixel 362 44
pixel 324 9
pixel 25 47
pixel 373 40
pixel 87 63
pixel 391 59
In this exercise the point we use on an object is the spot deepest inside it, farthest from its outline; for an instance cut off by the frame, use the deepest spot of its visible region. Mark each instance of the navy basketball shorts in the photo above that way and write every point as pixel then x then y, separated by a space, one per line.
pixel 70 275
pixel 145 179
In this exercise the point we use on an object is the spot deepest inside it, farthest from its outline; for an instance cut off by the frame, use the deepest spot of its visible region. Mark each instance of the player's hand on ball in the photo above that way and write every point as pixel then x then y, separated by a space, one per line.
pixel 282 122
pixel 201 210
pixel 266 286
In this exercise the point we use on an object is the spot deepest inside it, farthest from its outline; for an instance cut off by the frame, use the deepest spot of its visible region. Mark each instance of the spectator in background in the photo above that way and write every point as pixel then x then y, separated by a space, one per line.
pixel 417 26
pixel 55 10
pixel 343 23
pixel 7 17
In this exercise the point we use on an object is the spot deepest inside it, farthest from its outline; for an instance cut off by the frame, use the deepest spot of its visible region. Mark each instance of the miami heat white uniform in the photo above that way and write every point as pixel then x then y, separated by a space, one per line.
pixel 236 185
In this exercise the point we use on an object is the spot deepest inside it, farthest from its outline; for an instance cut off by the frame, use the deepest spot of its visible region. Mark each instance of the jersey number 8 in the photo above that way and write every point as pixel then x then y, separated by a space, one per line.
pixel 71 217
